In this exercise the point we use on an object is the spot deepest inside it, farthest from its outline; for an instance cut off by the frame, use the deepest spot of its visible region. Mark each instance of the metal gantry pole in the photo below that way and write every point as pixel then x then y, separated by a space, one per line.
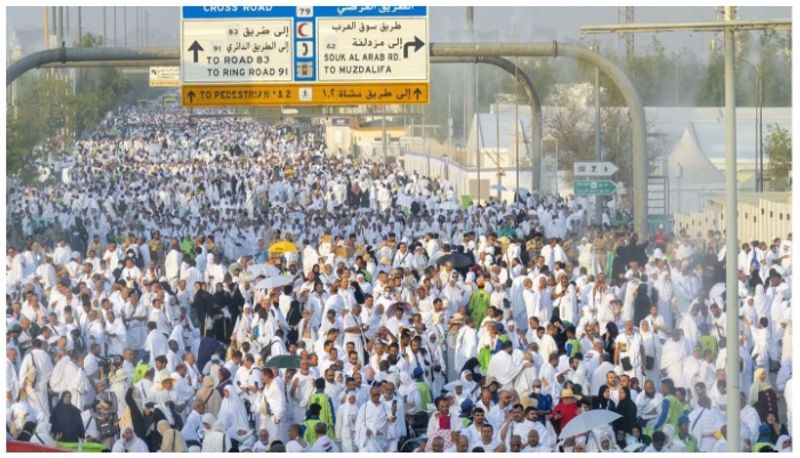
pixel 60 26
pixel 105 28
pixel 383 133
pixel 499 168
pixel 115 25
pixel 517 129
pixel 477 137
pixel 732 372
pixel 598 200
pixel 761 129
pixel 757 104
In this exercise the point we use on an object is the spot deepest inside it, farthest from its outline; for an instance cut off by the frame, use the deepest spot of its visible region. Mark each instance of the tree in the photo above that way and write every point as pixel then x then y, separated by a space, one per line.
pixel 47 108
pixel 779 152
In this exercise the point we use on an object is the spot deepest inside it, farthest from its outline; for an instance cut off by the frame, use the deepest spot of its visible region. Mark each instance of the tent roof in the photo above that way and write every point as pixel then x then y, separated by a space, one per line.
pixel 687 155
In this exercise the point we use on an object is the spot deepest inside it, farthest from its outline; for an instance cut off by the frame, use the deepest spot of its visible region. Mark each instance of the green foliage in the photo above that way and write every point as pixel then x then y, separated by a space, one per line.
pixel 50 113
pixel 778 148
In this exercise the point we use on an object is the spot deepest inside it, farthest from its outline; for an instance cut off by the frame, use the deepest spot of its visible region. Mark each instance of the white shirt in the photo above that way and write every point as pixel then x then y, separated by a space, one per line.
pixel 324 444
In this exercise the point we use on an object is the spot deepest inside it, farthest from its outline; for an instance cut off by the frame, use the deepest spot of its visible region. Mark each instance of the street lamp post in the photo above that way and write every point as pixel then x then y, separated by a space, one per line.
pixel 758 105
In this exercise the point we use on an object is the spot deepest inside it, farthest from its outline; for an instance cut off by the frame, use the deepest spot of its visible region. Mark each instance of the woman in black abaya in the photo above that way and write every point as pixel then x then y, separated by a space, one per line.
pixel 65 420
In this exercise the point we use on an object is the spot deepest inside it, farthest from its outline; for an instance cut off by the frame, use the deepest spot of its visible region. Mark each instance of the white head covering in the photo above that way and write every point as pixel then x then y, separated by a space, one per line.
pixel 232 411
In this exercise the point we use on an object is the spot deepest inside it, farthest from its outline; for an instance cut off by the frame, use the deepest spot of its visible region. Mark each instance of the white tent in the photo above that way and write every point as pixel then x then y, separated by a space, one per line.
pixel 692 177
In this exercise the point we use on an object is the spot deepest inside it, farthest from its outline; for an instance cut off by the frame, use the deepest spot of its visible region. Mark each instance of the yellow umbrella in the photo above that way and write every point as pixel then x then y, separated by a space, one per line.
pixel 283 247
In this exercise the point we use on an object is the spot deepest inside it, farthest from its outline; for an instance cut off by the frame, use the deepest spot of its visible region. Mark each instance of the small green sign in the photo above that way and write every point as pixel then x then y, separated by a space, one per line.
pixel 594 188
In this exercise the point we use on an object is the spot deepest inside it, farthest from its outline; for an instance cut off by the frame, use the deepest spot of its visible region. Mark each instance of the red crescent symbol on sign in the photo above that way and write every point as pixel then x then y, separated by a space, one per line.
pixel 301 30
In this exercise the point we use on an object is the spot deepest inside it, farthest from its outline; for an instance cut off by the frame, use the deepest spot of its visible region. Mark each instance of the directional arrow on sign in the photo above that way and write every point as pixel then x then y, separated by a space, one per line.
pixel 417 44
pixel 417 93
pixel 594 188
pixel 595 169
pixel 190 95
pixel 195 48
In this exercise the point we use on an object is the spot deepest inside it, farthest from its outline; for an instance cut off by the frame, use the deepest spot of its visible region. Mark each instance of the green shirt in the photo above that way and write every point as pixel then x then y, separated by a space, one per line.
pixel 676 410
pixel 478 306
pixel 326 412
pixel 310 436
pixel 425 394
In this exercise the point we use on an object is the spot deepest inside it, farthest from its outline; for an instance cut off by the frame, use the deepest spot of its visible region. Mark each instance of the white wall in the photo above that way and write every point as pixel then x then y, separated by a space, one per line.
pixel 460 176
pixel 763 220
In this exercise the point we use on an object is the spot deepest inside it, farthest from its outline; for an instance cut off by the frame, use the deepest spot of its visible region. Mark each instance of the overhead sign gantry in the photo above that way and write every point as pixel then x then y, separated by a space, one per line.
pixel 283 55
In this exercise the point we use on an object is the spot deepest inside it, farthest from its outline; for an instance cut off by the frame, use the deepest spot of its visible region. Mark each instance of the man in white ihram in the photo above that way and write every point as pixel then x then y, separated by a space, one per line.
pixel 373 423
pixel 272 406
pixel 35 371
pixel 503 367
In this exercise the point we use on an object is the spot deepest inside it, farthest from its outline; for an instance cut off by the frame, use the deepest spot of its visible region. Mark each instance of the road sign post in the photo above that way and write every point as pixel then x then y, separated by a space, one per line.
pixel 588 169
pixel 281 55
pixel 594 188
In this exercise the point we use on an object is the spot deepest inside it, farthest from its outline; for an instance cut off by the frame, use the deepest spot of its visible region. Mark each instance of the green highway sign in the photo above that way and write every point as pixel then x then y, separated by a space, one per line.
pixel 594 188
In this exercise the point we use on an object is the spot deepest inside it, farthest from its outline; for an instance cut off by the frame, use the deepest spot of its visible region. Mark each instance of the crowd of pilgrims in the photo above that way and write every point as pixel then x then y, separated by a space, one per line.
pixel 144 303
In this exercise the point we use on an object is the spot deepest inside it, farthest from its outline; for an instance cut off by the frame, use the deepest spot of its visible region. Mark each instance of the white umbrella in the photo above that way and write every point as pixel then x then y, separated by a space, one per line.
pixel 274 282
pixel 498 186
pixel 263 269
pixel 449 206
pixel 404 200
pixel 588 421
pixel 364 210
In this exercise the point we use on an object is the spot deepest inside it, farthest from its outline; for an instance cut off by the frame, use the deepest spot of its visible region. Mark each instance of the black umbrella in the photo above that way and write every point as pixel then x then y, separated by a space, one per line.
pixel 459 260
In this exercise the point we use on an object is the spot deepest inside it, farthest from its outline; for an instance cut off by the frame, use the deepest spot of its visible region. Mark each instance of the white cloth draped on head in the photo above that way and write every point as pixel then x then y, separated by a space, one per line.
pixel 233 413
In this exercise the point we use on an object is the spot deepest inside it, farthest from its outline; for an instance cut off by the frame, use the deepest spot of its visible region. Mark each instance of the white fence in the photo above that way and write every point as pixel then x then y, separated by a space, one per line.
pixel 762 220
pixel 465 179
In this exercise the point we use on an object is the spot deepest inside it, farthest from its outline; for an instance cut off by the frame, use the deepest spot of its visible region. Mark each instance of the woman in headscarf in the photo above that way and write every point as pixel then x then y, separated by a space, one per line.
pixel 171 439
pixel 438 361
pixel 776 429
pixel 211 398
pixel 664 292
pixel 65 420
pixel 609 337
pixel 224 379
pixel 214 438
pixel 471 389
pixel 129 442
pixel 763 396
pixel 603 443
pixel 346 423
pixel 603 399
pixel 233 414
pixel 652 352
pixel 784 444
pixel 627 408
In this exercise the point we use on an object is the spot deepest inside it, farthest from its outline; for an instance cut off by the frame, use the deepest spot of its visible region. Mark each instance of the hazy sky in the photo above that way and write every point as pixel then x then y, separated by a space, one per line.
pixel 535 23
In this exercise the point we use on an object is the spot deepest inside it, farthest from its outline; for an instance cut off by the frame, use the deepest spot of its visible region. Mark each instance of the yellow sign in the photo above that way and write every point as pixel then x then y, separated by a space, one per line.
pixel 316 94
pixel 165 77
